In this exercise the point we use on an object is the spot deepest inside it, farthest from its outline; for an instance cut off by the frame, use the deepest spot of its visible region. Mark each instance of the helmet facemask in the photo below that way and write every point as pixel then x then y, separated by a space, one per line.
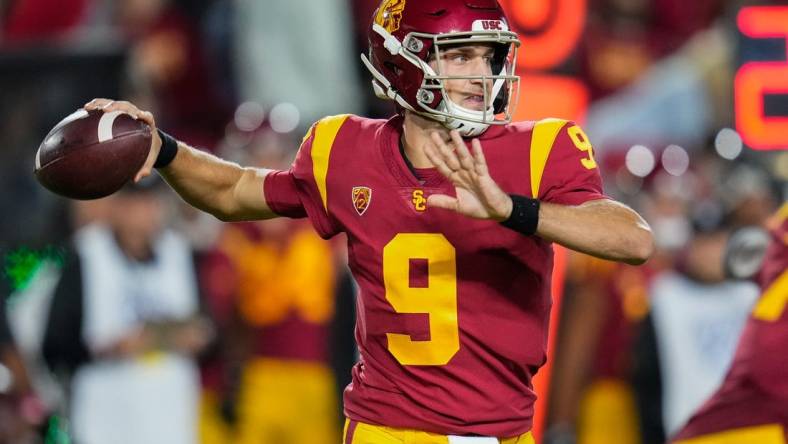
pixel 500 89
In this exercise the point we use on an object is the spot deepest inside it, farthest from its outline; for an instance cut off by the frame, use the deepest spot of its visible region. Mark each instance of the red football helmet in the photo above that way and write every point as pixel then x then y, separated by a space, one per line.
pixel 406 33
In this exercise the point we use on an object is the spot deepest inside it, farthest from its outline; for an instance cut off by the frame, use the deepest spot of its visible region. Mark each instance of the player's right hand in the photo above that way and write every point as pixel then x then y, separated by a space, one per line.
pixel 477 194
pixel 108 105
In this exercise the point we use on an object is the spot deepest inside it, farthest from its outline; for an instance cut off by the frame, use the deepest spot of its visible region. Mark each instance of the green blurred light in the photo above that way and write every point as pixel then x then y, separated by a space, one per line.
pixel 57 431
pixel 21 265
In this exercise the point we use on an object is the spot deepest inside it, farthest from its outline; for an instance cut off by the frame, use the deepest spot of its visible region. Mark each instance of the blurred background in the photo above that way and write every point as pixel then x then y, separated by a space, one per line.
pixel 243 333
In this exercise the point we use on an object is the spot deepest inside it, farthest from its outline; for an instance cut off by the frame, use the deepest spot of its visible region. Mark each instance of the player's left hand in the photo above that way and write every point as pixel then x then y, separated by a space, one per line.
pixel 478 195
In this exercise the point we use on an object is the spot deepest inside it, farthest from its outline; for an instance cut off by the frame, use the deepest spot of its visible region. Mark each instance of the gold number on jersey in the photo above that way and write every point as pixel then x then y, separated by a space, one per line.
pixel 772 303
pixel 438 299
pixel 583 144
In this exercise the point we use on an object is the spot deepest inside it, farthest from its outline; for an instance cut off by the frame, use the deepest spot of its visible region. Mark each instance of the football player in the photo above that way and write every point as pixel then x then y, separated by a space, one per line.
pixel 450 244
pixel 751 406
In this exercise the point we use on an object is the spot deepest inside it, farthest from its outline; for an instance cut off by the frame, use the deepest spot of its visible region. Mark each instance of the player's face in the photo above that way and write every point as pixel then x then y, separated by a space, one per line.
pixel 467 60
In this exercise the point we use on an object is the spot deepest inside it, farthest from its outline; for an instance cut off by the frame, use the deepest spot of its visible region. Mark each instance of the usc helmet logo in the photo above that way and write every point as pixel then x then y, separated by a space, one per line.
pixel 389 14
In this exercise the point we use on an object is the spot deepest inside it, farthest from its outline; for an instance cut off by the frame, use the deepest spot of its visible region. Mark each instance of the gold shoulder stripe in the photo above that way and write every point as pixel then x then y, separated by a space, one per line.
pixel 772 303
pixel 325 132
pixel 542 140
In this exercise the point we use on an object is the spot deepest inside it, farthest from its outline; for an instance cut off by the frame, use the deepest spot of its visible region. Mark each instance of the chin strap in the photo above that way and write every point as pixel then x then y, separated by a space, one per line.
pixel 466 121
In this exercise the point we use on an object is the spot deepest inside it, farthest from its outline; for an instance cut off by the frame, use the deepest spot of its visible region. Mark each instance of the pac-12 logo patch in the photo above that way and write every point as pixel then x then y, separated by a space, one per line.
pixel 419 201
pixel 390 14
pixel 361 198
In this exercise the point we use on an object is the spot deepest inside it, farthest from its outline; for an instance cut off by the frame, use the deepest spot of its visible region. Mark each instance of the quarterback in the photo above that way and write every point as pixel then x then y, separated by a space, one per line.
pixel 450 211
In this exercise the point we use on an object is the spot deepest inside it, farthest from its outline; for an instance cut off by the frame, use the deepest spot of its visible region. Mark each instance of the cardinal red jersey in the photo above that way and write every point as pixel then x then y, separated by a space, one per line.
pixel 452 311
pixel 755 390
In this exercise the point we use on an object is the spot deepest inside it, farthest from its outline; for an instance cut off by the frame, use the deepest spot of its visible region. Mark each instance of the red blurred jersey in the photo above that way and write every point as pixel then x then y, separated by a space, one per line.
pixel 452 312
pixel 755 390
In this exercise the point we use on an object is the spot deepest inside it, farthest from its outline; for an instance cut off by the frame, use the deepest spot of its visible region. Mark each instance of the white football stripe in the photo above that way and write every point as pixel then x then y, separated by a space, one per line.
pixel 76 115
pixel 38 159
pixel 105 125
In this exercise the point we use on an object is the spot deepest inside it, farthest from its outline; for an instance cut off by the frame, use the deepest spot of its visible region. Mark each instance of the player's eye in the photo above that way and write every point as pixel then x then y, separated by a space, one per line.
pixel 458 57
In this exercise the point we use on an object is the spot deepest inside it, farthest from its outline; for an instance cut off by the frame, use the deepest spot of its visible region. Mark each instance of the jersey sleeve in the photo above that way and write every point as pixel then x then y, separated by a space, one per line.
pixel 563 168
pixel 301 191
pixel 281 194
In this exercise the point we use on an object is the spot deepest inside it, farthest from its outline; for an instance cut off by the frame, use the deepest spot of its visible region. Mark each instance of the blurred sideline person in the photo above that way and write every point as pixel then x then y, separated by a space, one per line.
pixel 453 272
pixel 688 340
pixel 123 327
pixel 591 399
pixel 274 287
pixel 751 406
pixel 285 279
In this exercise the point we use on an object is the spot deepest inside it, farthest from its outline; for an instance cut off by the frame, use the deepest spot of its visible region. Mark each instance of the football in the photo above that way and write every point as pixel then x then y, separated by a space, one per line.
pixel 89 155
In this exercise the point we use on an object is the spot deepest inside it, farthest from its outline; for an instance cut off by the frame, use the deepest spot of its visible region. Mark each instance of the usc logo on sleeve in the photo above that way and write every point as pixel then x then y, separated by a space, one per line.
pixel 390 14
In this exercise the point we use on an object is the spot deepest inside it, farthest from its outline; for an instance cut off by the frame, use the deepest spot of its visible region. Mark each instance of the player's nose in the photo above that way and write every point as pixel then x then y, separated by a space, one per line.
pixel 481 66
pixel 481 73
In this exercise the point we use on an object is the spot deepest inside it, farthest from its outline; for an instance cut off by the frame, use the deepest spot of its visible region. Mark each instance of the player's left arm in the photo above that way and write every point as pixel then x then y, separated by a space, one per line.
pixel 603 228
pixel 583 220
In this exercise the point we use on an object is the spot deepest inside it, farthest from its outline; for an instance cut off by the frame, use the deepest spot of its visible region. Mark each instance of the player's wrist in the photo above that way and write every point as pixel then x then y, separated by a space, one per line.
pixel 506 211
pixel 167 151
pixel 524 215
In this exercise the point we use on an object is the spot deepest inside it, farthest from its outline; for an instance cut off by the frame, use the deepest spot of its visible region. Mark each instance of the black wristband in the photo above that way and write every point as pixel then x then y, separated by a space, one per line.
pixel 525 215
pixel 168 150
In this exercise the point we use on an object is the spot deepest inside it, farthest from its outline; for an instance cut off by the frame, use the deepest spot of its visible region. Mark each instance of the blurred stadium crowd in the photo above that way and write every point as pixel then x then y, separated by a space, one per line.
pixel 137 319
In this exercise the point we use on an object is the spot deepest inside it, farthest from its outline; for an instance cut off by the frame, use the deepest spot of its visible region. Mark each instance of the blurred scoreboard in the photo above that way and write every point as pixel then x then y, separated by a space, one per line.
pixel 550 31
pixel 761 83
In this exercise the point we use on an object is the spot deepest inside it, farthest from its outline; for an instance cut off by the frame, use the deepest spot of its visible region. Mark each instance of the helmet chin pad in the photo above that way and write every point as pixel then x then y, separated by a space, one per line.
pixel 467 121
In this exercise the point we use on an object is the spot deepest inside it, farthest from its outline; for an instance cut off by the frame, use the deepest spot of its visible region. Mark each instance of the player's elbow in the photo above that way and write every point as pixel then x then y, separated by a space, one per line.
pixel 229 201
pixel 220 207
pixel 641 246
pixel 229 211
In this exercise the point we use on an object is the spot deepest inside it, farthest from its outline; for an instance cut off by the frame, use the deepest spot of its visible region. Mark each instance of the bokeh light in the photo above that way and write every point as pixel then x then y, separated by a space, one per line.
pixel 640 161
pixel 675 160
pixel 284 117
pixel 728 144
pixel 249 116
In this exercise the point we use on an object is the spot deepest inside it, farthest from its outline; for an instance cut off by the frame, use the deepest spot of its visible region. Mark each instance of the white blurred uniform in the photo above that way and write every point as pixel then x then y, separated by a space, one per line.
pixel 151 399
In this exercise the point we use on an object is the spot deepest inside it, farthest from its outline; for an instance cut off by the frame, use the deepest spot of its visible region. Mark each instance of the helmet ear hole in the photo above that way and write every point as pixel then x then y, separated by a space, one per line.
pixel 393 68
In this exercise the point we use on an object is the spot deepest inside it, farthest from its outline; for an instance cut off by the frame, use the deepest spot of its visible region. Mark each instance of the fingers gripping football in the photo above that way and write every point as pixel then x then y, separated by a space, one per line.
pixel 108 105
pixel 477 193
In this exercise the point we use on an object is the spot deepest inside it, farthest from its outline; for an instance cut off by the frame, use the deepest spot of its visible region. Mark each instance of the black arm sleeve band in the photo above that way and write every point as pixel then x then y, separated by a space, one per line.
pixel 525 215
pixel 169 148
